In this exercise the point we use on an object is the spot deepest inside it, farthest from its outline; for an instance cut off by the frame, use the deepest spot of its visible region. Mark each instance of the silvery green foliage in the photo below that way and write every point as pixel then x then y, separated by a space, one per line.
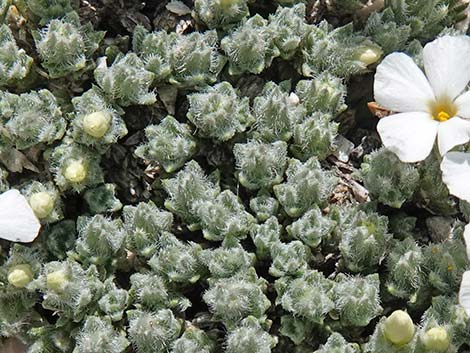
pixel 68 153
pixel 56 213
pixel 153 331
pixel 314 137
pixel 364 240
pixel 405 265
pixel 334 50
pixel 102 199
pixel 446 311
pixel 276 114
pixel 170 144
pixel 126 82
pixel 154 49
pixel 250 337
pixel 307 185
pixel 402 21
pixel 290 29
pixel 386 32
pixel 178 262
pixel 225 262
pixel 295 328
pixel 432 194
pixel 195 60
pixel 357 299
pixel 65 46
pixel 93 101
pixel 261 165
pixel 193 340
pixel 185 188
pixel 337 344
pixel 69 289
pixel 311 228
pixel 51 338
pixel 445 263
pixel 325 93
pixel 220 13
pixel 232 299
pixel 250 48
pixel 100 241
pixel 218 112
pixel 31 118
pixel 265 236
pixel 61 238
pixel 15 64
pixel 223 218
pixel 98 335
pixel 145 223
pixel 45 10
pixel 264 206
pixel 150 292
pixel 114 301
pixel 308 296
pixel 388 179
pixel 289 259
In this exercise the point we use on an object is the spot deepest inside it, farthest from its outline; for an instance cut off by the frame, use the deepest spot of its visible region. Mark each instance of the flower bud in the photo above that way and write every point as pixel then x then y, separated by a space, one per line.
pixel 75 172
pixel 96 124
pixel 42 204
pixel 436 339
pixel 369 56
pixel 56 281
pixel 20 275
pixel 399 328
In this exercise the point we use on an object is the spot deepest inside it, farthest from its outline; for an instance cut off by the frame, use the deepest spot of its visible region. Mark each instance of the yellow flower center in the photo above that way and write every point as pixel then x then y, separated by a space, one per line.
pixel 443 110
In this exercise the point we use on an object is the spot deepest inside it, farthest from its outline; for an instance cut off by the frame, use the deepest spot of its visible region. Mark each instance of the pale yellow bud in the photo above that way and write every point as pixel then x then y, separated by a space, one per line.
pixel 96 124
pixel 436 339
pixel 42 204
pixel 75 172
pixel 399 328
pixel 20 275
pixel 369 56
pixel 56 281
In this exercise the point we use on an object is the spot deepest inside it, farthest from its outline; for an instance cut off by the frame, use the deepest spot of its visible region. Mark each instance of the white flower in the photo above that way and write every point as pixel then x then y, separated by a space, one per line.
pixel 427 105
pixel 464 293
pixel 455 168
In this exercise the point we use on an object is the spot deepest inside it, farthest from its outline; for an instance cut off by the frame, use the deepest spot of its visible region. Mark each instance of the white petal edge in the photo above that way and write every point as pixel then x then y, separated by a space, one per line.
pixel 463 105
pixel 410 136
pixel 451 133
pixel 466 237
pixel 455 167
pixel 17 220
pixel 464 292
pixel 447 65
pixel 400 85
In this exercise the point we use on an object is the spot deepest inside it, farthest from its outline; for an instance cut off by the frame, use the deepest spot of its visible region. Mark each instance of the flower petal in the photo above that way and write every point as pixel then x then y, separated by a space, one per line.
pixel 447 65
pixel 17 220
pixel 464 292
pixel 463 105
pixel 410 136
pixel 466 237
pixel 400 85
pixel 451 133
pixel 455 167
